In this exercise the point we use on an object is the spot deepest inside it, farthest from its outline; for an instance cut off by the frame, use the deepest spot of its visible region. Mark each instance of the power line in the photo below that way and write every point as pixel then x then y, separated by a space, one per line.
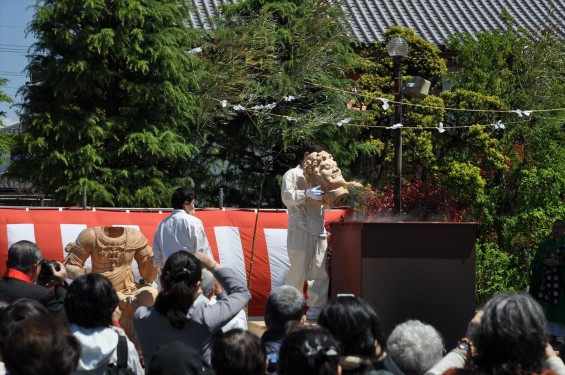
pixel 13 45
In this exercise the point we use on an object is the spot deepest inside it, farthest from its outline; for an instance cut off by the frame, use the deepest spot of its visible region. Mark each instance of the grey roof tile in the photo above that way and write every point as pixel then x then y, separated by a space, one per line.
pixel 434 20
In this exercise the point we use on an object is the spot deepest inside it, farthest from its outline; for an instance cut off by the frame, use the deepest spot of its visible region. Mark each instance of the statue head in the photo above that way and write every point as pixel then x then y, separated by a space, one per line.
pixel 321 169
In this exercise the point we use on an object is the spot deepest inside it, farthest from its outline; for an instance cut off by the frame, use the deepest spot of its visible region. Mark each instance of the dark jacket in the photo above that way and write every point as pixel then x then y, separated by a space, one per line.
pixel 13 289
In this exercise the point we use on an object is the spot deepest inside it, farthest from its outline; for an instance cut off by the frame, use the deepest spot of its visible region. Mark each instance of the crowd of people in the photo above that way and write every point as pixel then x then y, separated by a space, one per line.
pixel 508 336
pixel 198 324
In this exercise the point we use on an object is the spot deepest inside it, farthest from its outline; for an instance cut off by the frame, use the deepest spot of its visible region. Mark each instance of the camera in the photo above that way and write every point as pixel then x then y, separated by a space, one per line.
pixel 46 275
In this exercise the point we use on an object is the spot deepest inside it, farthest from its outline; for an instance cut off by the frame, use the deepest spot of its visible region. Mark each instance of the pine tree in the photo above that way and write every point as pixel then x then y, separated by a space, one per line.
pixel 117 105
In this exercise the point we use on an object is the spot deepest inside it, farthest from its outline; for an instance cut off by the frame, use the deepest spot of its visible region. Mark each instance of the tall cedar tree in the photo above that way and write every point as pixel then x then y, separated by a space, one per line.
pixel 285 64
pixel 116 105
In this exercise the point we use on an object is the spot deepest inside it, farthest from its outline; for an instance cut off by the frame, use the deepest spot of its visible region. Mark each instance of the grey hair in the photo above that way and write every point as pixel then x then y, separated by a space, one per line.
pixel 207 282
pixel 23 255
pixel 415 346
pixel 285 303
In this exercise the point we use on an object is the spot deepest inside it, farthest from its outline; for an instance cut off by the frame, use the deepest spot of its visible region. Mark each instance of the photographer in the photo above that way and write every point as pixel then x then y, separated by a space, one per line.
pixel 24 266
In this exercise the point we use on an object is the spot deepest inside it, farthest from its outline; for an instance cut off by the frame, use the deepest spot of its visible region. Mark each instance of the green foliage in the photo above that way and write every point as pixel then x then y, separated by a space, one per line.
pixel 523 165
pixel 117 105
pixel 510 180
pixel 423 58
pixel 264 51
pixel 497 272
pixel 374 69
pixel 6 139
pixel 3 98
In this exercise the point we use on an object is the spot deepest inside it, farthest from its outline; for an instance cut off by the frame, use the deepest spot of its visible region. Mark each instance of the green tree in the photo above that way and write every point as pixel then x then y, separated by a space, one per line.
pixel 374 69
pixel 5 139
pixel 523 198
pixel 285 64
pixel 117 107
pixel 511 180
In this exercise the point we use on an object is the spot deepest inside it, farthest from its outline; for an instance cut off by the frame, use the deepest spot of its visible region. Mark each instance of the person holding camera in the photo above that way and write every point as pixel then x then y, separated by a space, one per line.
pixel 24 266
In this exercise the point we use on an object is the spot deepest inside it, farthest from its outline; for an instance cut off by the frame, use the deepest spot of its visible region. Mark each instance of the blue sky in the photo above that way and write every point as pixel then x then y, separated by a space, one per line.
pixel 14 17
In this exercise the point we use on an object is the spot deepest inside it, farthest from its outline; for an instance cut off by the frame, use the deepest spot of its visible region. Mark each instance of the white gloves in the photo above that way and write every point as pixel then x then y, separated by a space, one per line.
pixel 315 193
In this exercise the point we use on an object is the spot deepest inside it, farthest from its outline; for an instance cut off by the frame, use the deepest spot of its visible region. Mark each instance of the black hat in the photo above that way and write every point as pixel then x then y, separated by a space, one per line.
pixel 178 358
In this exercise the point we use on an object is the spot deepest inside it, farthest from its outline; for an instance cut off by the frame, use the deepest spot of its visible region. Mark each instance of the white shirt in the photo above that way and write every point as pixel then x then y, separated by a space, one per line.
pixel 304 214
pixel 238 321
pixel 179 231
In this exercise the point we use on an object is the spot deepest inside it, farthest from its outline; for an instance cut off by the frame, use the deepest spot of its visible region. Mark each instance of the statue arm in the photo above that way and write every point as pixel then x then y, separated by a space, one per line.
pixel 74 261
pixel 144 258
pixel 353 184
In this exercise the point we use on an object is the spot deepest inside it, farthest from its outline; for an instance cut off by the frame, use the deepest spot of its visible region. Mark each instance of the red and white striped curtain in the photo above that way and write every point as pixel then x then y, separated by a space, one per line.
pixel 235 237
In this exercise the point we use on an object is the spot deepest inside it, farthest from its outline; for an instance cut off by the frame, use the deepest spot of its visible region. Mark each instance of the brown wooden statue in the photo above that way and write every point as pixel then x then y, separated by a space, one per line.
pixel 112 251
pixel 321 169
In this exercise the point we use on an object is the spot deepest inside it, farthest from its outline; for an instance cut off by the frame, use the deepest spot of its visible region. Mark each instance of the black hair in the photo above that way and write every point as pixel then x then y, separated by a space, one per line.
pixel 179 277
pixel 181 195
pixel 511 336
pixel 23 255
pixel 354 324
pixel 90 301
pixel 42 345
pixel 17 311
pixel 308 350
pixel 309 147
pixel 238 352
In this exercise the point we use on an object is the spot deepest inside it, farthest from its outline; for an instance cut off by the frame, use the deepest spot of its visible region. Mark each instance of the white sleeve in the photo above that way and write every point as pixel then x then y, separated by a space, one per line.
pixel 554 364
pixel 451 359
pixel 202 243
pixel 133 359
pixel 290 195
pixel 157 250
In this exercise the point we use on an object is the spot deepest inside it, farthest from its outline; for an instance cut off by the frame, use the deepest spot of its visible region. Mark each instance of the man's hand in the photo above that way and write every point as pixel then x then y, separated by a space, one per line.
pixel 207 261
pixel 62 273
pixel 315 193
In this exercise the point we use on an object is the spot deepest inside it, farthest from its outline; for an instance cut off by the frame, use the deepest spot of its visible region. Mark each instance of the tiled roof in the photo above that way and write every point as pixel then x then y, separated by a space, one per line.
pixel 204 11
pixel 11 184
pixel 434 20
pixel 14 128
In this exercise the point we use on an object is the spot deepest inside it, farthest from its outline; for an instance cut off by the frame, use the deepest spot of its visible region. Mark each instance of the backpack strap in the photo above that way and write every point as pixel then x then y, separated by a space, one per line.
pixel 122 362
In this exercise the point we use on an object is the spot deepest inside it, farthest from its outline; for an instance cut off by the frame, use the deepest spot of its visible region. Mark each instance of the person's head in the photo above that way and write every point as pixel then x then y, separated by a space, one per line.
pixel 26 257
pixel 355 325
pixel 178 358
pixel 285 303
pixel 90 301
pixel 309 350
pixel 239 352
pixel 307 148
pixel 415 347
pixel 16 312
pixel 558 229
pixel 41 345
pixel 183 199
pixel 511 336
pixel 207 284
pixel 180 280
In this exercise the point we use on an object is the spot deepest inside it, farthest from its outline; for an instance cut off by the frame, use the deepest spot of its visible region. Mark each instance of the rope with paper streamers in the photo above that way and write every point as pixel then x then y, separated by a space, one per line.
pixel 499 125
pixel 519 112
